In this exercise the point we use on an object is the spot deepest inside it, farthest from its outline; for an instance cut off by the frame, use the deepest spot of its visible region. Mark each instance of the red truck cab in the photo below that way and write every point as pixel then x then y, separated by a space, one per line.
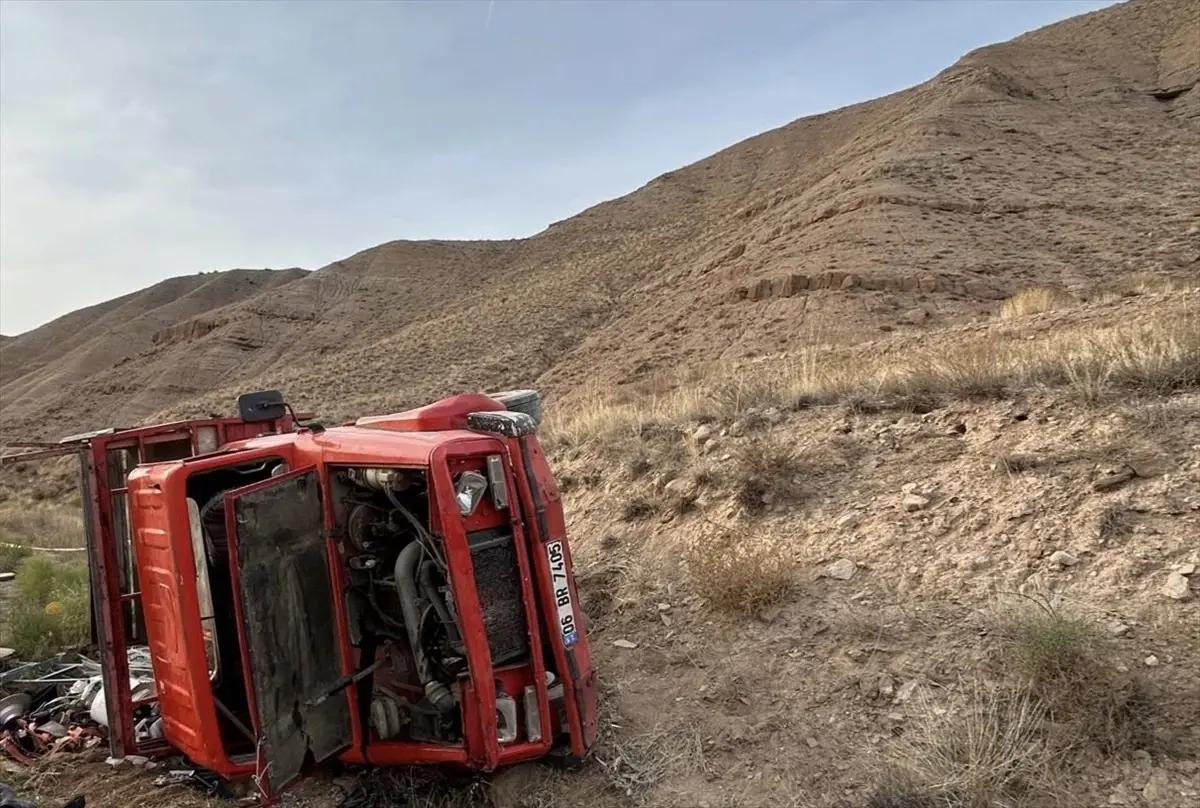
pixel 395 590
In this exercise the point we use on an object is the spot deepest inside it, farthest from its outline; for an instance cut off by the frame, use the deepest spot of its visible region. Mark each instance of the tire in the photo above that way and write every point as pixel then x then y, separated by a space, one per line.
pixel 561 758
pixel 526 401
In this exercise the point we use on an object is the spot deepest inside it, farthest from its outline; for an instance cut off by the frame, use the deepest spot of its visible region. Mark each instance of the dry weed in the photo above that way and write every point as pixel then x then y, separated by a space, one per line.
pixel 418 787
pixel 765 472
pixel 739 572
pixel 971 755
pixel 899 791
pixel 1115 521
pixel 1141 283
pixel 1034 301
pixel 635 766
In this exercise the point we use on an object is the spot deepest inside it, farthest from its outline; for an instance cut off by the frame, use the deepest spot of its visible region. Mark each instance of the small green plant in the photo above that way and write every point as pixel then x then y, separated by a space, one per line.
pixel 11 555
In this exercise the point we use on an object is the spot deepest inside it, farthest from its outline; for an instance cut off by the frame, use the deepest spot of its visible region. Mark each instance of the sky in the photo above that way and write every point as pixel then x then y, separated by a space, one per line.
pixel 145 140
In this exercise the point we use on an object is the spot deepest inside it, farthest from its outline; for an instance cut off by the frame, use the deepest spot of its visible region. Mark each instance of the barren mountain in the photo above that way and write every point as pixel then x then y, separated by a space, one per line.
pixel 1068 156
pixel 878 434
pixel 93 343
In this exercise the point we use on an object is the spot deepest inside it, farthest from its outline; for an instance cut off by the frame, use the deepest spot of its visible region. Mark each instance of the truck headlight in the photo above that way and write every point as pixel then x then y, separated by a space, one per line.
pixel 469 491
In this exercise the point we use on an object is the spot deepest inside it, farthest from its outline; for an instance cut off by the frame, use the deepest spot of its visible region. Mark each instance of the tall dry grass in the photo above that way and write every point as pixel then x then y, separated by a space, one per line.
pixel 41 524
pixel 1157 356
pixel 1034 301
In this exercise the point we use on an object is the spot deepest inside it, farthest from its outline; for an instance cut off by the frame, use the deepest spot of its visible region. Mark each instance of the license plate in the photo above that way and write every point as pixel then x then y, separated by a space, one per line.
pixel 562 593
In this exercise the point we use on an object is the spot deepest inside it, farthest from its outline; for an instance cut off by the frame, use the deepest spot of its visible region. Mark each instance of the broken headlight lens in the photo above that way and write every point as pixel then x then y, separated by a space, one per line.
pixel 469 490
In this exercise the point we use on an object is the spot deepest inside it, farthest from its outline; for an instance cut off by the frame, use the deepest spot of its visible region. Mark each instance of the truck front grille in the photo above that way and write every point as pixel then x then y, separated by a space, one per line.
pixel 498 582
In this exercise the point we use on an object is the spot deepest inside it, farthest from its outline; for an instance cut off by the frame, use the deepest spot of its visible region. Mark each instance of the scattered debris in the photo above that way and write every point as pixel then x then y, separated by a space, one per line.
pixel 915 502
pixel 1111 481
pixel 58 705
pixel 842 570
pixel 626 644
pixel 1061 558
pixel 1177 587
pixel 905 692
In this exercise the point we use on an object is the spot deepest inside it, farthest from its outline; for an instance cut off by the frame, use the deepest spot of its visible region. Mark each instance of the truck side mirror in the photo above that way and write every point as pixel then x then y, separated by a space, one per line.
pixel 265 405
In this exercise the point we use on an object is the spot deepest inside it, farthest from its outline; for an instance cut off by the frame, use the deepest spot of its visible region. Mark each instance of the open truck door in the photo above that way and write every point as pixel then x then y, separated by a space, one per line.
pixel 290 642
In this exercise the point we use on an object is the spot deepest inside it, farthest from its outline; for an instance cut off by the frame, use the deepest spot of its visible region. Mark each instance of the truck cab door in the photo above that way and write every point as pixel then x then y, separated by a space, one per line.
pixel 290 639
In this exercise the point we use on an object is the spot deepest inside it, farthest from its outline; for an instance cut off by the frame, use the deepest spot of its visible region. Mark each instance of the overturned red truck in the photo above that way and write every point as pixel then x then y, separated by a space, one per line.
pixel 394 590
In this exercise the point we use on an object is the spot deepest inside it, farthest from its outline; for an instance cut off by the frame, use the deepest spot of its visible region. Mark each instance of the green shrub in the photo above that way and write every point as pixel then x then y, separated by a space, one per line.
pixel 50 608
pixel 11 555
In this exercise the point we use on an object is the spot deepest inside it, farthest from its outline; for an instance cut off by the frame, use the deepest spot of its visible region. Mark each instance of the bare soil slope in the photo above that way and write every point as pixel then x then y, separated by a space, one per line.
pixel 1068 156
pixel 43 366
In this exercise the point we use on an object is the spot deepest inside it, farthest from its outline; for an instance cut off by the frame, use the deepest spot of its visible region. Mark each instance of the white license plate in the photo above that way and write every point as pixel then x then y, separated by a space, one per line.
pixel 562 593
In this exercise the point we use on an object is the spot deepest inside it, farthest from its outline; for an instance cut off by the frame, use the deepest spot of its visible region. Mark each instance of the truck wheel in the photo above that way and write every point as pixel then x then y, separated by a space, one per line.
pixel 560 757
pixel 526 401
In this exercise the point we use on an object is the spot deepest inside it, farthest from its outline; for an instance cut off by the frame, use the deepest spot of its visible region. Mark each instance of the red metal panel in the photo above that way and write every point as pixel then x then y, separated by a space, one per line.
pixel 485 516
pixel 106 593
pixel 163 573
pixel 104 562
pixel 544 514
pixel 482 730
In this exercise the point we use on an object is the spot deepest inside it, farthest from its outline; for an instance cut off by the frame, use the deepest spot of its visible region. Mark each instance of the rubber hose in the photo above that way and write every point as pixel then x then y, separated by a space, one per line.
pixel 406 585
pixel 429 590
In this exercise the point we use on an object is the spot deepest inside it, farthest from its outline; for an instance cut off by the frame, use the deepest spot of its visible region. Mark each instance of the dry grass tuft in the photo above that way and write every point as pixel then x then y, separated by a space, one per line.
pixel 1061 691
pixel 635 766
pixel 1115 521
pixel 1034 301
pixel 898 791
pixel 41 524
pixel 974 755
pixel 638 508
pixel 419 787
pixel 1141 283
pixel 765 472
pixel 739 572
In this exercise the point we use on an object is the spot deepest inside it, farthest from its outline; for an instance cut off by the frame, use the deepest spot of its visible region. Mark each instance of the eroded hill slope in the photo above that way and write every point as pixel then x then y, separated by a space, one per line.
pixel 1067 157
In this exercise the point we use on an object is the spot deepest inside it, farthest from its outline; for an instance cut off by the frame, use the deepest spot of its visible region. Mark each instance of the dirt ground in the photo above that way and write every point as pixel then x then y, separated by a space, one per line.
pixel 885 551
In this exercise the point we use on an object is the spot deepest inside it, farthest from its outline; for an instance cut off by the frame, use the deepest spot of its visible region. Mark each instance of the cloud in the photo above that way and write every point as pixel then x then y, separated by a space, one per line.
pixel 145 140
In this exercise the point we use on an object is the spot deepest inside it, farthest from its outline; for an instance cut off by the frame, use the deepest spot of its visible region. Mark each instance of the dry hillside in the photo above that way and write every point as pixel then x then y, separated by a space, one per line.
pixel 879 436
pixel 1068 156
